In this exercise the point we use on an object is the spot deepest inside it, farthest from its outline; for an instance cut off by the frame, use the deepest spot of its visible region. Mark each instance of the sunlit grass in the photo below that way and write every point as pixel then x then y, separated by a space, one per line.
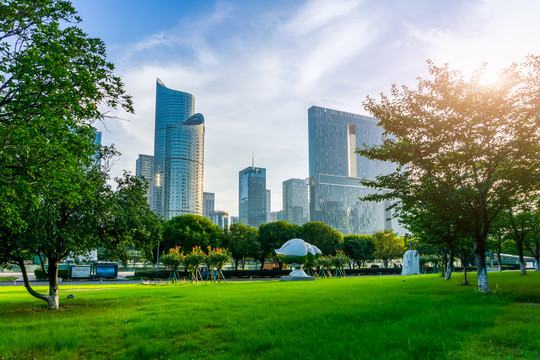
pixel 354 318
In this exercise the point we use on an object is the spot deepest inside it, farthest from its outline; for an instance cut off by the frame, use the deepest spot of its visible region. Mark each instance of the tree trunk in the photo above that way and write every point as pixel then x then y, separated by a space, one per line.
pixel 483 284
pixel 499 258
pixel 465 281
pixel 448 270
pixel 235 264
pixel 52 298
pixel 385 263
pixel 522 264
pixel 243 264
pixel 53 285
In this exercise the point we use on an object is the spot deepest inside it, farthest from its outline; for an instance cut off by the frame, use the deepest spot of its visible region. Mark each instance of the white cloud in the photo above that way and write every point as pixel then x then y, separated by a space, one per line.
pixel 255 75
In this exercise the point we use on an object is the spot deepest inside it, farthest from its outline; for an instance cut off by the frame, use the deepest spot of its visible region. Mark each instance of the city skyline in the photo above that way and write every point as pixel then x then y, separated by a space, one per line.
pixel 254 79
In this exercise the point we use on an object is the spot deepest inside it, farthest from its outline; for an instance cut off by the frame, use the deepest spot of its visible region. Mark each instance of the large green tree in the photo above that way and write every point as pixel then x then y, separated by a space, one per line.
pixel 53 79
pixel 388 246
pixel 243 243
pixel 326 238
pixel 359 248
pixel 477 146
pixel 272 236
pixel 188 231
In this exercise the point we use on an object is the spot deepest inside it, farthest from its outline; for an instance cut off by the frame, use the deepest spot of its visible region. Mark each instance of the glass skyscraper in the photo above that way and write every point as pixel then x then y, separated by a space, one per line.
pixel 144 169
pixel 295 201
pixel 252 196
pixel 335 169
pixel 178 154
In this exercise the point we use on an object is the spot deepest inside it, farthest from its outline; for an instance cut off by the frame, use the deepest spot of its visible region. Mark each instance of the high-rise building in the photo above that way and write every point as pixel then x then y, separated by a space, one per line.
pixel 268 206
pixel 252 196
pixel 295 201
pixel 144 169
pixel 208 204
pixel 233 220
pixel 335 169
pixel 220 218
pixel 178 154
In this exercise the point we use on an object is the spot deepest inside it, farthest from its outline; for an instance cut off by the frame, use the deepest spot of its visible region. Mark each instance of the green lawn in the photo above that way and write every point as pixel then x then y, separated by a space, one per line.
pixel 355 318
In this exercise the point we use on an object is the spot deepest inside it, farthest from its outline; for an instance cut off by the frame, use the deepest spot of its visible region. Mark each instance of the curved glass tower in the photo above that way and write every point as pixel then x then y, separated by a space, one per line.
pixel 178 154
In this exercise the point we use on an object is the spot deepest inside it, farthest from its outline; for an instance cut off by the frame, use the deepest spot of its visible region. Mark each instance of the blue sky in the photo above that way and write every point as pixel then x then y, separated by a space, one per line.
pixel 255 67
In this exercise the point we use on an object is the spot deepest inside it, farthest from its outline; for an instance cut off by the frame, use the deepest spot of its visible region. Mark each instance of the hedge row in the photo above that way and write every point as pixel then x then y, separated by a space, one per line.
pixel 40 274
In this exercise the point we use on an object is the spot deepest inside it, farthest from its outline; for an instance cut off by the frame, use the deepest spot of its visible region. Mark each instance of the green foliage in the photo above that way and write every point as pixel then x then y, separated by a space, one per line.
pixel 359 248
pixel 464 150
pixel 339 259
pixel 173 259
pixel 388 246
pixel 272 236
pixel 189 231
pixel 194 259
pixel 42 275
pixel 243 242
pixel 217 258
pixel 321 235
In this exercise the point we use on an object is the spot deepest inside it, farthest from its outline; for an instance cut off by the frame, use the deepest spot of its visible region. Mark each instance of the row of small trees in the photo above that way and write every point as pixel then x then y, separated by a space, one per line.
pixel 245 242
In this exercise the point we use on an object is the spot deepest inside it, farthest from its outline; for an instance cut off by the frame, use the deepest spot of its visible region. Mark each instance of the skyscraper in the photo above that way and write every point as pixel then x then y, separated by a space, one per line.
pixel 208 204
pixel 335 169
pixel 252 196
pixel 178 154
pixel 295 201
pixel 144 169
pixel 268 206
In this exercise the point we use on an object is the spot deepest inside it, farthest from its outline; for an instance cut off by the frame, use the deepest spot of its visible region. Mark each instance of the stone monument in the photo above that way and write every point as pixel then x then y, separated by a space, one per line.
pixel 411 263
pixel 295 253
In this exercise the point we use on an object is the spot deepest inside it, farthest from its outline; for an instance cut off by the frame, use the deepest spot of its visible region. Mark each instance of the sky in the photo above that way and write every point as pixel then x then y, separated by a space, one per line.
pixel 255 67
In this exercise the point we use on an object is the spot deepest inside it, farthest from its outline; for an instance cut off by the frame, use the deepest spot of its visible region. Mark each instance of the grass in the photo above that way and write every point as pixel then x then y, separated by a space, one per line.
pixel 7 278
pixel 354 318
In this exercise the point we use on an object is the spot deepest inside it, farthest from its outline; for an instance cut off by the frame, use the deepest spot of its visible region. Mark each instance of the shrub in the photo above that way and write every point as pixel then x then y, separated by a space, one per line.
pixel 173 259
pixel 217 258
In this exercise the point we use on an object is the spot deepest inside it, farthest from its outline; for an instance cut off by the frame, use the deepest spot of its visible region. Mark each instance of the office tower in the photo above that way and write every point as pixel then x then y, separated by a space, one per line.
pixel 295 201
pixel 335 169
pixel 178 154
pixel 268 206
pixel 276 216
pixel 208 204
pixel 252 196
pixel 220 218
pixel 233 220
pixel 144 169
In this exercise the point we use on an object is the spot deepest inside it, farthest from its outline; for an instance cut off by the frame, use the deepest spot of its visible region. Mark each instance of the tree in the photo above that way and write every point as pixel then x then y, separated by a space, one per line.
pixel 52 79
pixel 473 146
pixel 243 242
pixel 60 225
pixel 388 246
pixel 327 239
pixel 188 231
pixel 272 236
pixel 359 248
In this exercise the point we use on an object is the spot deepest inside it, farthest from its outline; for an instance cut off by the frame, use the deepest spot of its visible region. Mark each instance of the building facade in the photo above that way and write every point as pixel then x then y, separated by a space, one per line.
pixel 144 169
pixel 178 154
pixel 252 196
pixel 295 201
pixel 220 218
pixel 208 204
pixel 335 171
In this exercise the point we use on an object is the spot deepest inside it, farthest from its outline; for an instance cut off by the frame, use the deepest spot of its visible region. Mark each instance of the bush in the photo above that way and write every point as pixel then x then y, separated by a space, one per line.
pixel 40 274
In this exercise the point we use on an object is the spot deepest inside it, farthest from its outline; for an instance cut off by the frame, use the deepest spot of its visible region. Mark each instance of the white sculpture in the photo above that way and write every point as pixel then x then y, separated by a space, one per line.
pixel 295 253
pixel 411 263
